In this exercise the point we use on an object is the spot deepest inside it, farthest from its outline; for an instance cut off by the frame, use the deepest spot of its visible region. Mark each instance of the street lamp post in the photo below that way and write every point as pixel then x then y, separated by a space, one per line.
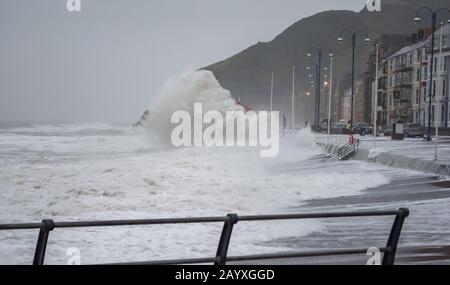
pixel 330 86
pixel 293 98
pixel 375 114
pixel 305 106
pixel 271 94
pixel 366 40
pixel 318 81
pixel 305 99
pixel 434 17
pixel 318 78
pixel 438 113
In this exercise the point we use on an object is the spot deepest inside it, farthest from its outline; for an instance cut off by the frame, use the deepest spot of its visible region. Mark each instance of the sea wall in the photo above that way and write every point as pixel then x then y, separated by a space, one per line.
pixel 396 161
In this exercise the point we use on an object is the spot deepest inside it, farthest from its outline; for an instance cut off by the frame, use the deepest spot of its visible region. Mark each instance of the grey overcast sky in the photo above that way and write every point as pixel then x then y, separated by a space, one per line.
pixel 107 62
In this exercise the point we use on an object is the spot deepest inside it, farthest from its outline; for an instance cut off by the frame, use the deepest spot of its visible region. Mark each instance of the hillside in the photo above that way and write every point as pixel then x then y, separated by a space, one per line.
pixel 247 74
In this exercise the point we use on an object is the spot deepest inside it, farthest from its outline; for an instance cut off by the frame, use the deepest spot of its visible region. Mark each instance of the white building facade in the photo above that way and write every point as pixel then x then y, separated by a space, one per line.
pixel 405 83
pixel 440 89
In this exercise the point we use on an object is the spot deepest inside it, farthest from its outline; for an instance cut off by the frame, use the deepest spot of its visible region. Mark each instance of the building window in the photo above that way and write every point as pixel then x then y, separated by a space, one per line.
pixel 442 113
pixel 444 87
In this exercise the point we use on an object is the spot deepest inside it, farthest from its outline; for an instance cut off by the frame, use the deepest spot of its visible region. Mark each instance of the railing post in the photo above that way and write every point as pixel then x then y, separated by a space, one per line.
pixel 221 256
pixel 394 237
pixel 41 246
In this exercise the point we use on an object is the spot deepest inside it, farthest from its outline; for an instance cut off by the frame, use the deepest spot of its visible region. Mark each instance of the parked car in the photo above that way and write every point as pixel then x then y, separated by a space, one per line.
pixel 361 128
pixel 340 129
pixel 324 125
pixel 388 132
pixel 315 128
pixel 337 129
pixel 414 131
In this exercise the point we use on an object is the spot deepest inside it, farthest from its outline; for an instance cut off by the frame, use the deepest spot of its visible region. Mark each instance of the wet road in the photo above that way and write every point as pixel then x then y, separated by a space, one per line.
pixel 426 235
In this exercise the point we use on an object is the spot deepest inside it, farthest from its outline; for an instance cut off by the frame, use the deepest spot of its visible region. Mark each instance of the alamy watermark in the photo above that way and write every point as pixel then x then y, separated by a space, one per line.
pixel 242 129
pixel 74 255
pixel 375 256
pixel 374 5
pixel 73 5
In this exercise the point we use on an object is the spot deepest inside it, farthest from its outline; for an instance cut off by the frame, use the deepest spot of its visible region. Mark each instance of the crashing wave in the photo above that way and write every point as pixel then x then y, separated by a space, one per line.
pixel 180 94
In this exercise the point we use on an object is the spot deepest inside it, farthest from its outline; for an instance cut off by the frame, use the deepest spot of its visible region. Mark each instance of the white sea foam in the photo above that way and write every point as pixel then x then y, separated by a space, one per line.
pixel 180 94
pixel 115 176
pixel 93 172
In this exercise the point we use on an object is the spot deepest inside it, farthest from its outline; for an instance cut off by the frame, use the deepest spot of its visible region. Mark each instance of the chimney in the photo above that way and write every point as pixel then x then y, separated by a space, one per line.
pixel 414 38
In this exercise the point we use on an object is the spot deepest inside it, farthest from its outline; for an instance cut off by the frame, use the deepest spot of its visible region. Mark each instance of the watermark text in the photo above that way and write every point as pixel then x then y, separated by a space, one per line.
pixel 374 5
pixel 235 129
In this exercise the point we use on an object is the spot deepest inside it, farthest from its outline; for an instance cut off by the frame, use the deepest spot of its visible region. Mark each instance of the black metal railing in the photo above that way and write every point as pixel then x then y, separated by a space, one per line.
pixel 221 258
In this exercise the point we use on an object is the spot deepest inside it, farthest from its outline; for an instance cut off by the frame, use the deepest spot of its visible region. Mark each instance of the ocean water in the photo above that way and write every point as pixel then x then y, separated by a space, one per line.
pixel 97 171
pixel 71 172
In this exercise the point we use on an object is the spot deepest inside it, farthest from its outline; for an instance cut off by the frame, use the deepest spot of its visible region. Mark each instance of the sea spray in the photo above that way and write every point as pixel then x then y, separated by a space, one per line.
pixel 241 130
pixel 175 122
pixel 73 174
pixel 305 139
pixel 180 94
